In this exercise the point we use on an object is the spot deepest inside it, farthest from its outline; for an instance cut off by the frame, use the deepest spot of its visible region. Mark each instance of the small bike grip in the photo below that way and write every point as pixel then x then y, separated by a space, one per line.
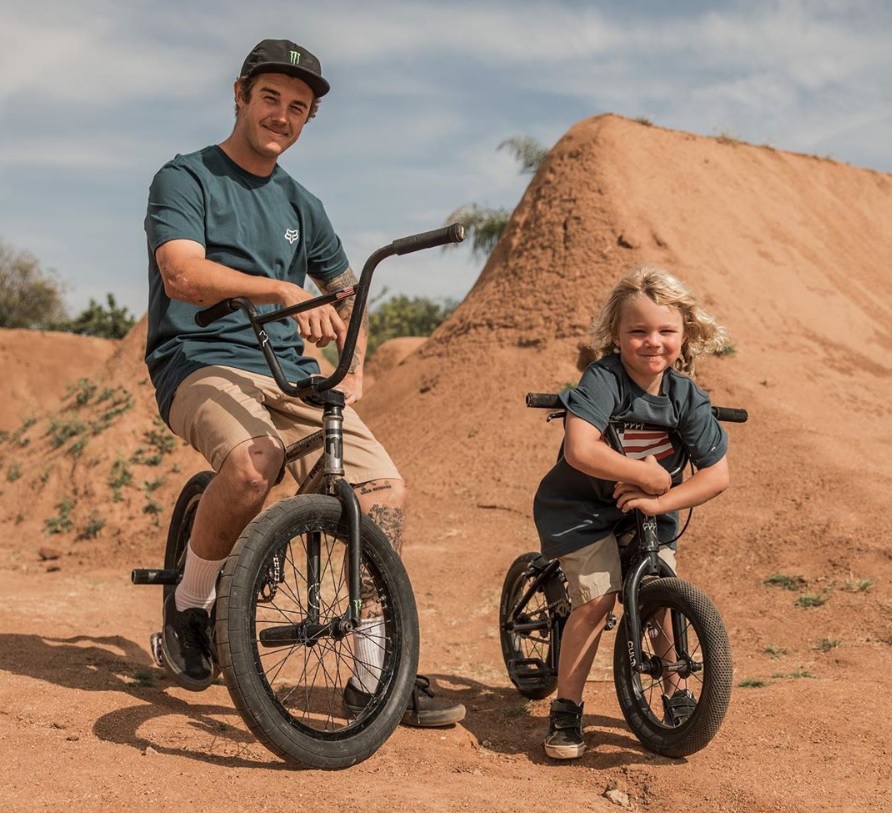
pixel 730 414
pixel 215 312
pixel 544 400
pixel 453 233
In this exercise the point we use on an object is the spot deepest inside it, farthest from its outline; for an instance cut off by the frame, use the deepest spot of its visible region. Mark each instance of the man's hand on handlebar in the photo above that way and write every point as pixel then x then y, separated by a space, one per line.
pixel 319 326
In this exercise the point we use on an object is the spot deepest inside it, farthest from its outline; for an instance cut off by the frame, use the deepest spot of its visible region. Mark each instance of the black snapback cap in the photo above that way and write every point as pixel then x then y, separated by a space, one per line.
pixel 284 56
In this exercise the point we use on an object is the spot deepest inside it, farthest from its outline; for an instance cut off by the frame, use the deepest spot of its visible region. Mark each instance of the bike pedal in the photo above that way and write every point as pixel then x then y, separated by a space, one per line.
pixel 611 622
pixel 155 649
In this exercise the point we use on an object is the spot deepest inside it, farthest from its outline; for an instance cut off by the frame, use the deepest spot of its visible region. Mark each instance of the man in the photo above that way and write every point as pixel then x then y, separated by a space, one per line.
pixel 228 221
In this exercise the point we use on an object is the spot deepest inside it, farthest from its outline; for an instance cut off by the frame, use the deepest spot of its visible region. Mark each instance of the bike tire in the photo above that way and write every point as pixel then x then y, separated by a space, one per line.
pixel 531 655
pixel 708 671
pixel 289 691
pixel 181 521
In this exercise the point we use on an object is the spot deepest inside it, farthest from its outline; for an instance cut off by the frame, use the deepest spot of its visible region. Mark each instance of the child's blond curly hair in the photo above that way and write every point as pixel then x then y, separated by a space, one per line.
pixel 703 334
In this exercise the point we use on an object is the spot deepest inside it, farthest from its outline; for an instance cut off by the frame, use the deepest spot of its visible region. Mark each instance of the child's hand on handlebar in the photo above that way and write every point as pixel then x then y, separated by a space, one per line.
pixel 630 496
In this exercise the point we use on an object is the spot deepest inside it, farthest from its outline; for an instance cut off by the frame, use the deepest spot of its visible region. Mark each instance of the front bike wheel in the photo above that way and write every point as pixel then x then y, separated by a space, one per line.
pixel 181 522
pixel 284 644
pixel 530 631
pixel 686 655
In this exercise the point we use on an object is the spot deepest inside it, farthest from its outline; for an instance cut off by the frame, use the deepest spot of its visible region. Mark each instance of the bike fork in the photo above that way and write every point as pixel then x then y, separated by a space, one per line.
pixel 650 563
pixel 333 467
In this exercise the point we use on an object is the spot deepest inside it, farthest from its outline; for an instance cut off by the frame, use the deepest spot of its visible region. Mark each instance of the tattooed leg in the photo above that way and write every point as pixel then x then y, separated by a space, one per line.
pixel 385 503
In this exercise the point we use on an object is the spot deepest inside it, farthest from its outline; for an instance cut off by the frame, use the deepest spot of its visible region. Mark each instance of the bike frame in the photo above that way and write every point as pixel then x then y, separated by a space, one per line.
pixel 327 475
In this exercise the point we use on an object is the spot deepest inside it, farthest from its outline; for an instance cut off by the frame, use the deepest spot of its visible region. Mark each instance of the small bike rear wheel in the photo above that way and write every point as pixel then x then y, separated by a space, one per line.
pixel 282 639
pixel 685 649
pixel 530 632
pixel 181 522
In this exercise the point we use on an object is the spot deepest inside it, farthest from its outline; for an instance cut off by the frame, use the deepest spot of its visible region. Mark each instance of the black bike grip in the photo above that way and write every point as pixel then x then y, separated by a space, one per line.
pixel 544 400
pixel 215 312
pixel 730 414
pixel 453 233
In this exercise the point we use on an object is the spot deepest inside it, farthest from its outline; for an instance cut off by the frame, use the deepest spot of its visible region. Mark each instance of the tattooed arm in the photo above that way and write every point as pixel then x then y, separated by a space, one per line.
pixel 351 386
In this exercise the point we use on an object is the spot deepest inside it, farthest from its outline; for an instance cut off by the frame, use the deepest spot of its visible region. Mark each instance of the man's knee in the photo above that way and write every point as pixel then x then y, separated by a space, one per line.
pixel 252 468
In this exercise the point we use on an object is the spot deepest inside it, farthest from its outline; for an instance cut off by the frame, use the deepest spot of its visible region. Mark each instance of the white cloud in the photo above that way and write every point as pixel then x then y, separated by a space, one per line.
pixel 98 94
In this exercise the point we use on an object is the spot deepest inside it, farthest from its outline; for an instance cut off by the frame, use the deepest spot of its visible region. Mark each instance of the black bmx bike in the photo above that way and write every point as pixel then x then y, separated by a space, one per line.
pixel 309 577
pixel 671 638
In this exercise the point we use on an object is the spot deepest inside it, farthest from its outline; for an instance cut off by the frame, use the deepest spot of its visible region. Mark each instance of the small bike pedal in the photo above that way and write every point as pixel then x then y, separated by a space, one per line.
pixel 155 649
pixel 611 621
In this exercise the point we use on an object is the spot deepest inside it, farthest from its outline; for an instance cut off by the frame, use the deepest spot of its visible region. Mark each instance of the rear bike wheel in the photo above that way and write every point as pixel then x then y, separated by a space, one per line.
pixel 181 522
pixel 530 631
pixel 283 646
pixel 684 647
pixel 178 534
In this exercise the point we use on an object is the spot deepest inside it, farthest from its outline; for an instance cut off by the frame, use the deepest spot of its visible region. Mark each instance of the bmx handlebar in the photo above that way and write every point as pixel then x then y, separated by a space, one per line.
pixel 551 400
pixel 453 233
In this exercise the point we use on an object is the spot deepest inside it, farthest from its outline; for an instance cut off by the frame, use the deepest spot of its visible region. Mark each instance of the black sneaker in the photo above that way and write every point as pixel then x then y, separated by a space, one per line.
pixel 424 709
pixel 564 739
pixel 186 646
pixel 679 707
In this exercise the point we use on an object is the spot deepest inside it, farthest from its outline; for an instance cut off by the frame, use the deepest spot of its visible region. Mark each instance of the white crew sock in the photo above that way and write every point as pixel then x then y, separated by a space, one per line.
pixel 368 653
pixel 198 587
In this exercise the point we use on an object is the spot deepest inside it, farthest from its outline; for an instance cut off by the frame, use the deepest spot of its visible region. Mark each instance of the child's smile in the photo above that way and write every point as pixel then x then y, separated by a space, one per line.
pixel 649 337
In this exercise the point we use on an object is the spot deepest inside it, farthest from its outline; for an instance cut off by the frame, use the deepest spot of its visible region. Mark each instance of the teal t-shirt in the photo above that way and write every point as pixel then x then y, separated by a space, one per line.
pixel 269 227
pixel 571 509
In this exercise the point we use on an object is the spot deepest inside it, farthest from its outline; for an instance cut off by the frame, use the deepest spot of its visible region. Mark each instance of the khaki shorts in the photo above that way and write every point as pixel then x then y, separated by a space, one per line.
pixel 216 408
pixel 594 571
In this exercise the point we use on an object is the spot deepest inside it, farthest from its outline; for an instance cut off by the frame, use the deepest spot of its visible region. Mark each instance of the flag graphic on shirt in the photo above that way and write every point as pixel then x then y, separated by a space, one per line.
pixel 639 443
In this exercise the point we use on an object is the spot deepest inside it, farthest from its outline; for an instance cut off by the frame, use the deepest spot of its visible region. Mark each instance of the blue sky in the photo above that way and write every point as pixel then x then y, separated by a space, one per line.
pixel 98 94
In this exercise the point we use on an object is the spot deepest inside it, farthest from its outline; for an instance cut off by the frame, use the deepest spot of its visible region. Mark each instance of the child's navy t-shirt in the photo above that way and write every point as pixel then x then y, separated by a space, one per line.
pixel 572 509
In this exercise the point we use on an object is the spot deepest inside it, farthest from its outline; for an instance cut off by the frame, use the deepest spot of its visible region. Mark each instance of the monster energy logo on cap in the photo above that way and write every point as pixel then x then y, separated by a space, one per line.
pixel 285 56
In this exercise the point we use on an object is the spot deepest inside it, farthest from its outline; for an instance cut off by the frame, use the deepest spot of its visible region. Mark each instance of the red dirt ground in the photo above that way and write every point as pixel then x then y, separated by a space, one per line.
pixel 789 251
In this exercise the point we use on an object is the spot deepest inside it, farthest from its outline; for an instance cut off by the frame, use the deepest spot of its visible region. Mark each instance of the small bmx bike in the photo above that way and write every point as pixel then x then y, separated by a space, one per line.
pixel 670 634
pixel 310 578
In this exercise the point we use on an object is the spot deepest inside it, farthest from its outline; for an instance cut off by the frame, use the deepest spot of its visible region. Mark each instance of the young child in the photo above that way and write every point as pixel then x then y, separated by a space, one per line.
pixel 647 336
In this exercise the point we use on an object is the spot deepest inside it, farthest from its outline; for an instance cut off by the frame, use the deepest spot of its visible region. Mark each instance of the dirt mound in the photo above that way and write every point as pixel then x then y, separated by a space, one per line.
pixel 788 251
pixel 37 367
pixel 390 355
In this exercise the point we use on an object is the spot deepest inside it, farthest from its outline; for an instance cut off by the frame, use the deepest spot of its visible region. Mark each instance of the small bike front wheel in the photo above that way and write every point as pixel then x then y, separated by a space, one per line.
pixel 284 640
pixel 181 522
pixel 532 612
pixel 677 703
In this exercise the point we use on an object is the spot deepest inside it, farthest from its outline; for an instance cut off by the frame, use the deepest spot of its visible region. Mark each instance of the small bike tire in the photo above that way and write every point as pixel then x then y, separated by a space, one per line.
pixel 531 654
pixel 283 659
pixel 708 674
pixel 181 522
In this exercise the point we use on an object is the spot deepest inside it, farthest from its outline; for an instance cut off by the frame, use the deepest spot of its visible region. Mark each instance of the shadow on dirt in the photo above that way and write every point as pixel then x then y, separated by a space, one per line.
pixel 113 663
pixel 505 722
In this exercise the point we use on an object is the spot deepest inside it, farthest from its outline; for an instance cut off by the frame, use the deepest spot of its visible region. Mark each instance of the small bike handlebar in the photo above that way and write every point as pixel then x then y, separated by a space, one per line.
pixel 454 233
pixel 551 400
